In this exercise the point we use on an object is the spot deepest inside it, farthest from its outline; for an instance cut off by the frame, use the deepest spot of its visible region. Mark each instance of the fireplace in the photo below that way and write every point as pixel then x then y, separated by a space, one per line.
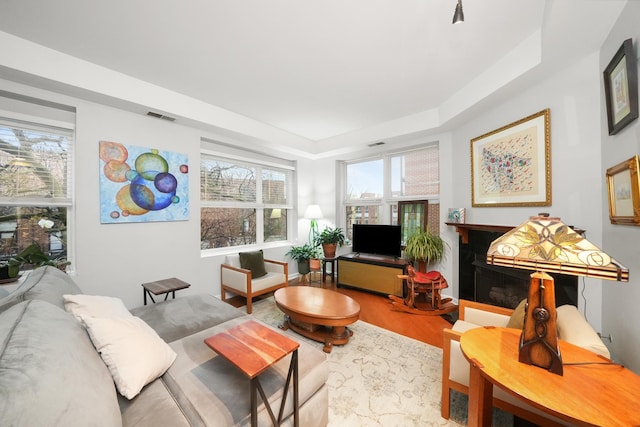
pixel 496 285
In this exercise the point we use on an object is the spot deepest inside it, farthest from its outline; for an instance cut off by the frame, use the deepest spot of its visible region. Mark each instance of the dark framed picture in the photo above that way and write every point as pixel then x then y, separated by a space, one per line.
pixel 511 166
pixel 621 88
pixel 623 182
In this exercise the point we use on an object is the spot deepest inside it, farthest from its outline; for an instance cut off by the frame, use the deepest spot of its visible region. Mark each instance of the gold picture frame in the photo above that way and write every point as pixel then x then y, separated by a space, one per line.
pixel 511 166
pixel 623 184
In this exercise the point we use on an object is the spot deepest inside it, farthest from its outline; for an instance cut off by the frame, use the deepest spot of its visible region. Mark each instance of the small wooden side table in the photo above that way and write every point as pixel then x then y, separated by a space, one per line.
pixel 253 348
pixel 592 392
pixel 334 262
pixel 165 286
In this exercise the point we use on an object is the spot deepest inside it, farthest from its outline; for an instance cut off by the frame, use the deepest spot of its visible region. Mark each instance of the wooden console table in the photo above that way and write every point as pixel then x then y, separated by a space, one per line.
pixel 592 392
pixel 372 273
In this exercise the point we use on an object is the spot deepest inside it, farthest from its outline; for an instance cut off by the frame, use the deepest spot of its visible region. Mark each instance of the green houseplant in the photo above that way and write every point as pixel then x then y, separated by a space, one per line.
pixel 33 256
pixel 302 254
pixel 424 247
pixel 330 238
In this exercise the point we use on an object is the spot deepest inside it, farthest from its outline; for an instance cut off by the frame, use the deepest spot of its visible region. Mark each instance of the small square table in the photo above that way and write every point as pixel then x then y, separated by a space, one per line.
pixel 334 262
pixel 253 348
pixel 164 286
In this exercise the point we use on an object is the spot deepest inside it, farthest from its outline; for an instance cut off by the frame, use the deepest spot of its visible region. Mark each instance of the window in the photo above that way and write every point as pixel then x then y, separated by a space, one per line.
pixel 374 186
pixel 35 186
pixel 243 203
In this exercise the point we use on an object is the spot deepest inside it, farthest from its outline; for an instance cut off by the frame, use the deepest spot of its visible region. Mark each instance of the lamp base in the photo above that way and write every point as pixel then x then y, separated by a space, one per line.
pixel 539 339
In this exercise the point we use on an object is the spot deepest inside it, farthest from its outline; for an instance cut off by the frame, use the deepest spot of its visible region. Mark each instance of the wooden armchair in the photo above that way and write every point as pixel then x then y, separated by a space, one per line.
pixel 572 327
pixel 239 281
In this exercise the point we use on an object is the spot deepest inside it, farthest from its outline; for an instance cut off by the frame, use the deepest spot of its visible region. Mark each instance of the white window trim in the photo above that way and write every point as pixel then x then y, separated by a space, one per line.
pixel 47 124
pixel 259 206
pixel 387 200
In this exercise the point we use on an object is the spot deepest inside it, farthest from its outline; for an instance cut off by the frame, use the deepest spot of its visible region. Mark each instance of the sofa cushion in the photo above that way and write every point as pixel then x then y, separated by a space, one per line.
pixel 183 316
pixel 44 283
pixel 50 373
pixel 155 406
pixel 195 376
pixel 82 306
pixel 133 352
pixel 574 328
pixel 253 261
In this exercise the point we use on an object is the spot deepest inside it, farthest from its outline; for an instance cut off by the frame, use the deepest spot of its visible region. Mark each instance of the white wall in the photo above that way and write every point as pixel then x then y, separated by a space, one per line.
pixel 572 95
pixel 115 259
pixel 621 316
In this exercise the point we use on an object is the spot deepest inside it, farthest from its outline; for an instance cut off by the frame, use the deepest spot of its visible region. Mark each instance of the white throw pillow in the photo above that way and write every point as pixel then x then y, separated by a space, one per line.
pixel 133 352
pixel 83 306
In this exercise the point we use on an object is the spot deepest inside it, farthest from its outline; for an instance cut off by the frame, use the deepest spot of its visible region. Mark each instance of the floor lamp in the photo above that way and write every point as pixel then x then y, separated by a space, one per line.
pixel 545 244
pixel 314 213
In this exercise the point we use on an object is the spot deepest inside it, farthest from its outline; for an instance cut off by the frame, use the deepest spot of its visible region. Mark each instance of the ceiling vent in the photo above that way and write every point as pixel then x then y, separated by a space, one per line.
pixel 161 116
pixel 375 144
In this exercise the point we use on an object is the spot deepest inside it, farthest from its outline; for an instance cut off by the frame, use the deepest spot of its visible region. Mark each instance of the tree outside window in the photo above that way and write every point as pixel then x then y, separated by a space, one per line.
pixel 242 203
pixel 34 189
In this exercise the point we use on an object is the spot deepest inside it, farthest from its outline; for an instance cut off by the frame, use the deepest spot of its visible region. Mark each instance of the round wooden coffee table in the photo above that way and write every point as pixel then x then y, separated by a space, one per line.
pixel 319 314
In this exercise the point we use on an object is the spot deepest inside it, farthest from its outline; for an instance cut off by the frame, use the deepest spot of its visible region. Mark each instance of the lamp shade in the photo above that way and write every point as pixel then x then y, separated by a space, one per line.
pixel 313 212
pixel 276 213
pixel 547 244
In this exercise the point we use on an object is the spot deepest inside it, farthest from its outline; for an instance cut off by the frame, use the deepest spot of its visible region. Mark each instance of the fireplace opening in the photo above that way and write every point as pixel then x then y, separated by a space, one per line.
pixel 501 286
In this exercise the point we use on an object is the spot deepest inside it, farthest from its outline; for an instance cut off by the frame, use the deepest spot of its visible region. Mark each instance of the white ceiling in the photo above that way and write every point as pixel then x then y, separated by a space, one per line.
pixel 319 70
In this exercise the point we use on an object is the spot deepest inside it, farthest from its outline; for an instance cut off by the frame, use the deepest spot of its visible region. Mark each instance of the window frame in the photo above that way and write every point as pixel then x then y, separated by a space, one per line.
pixel 258 204
pixel 388 201
pixel 35 122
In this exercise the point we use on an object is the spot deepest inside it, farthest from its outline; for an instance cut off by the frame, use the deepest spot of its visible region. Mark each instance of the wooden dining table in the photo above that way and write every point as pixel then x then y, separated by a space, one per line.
pixel 593 391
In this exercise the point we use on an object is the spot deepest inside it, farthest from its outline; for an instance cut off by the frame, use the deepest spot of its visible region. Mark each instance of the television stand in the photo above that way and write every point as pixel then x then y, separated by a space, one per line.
pixel 374 273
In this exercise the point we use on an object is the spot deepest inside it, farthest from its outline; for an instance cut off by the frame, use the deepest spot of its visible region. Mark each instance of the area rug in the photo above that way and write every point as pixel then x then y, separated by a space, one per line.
pixel 381 378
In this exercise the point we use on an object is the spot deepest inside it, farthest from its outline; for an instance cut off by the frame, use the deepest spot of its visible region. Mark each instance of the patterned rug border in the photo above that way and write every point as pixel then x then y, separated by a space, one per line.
pixel 382 378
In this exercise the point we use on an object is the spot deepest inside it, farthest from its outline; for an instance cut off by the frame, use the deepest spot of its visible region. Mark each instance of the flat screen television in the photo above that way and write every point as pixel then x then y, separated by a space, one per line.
pixel 377 239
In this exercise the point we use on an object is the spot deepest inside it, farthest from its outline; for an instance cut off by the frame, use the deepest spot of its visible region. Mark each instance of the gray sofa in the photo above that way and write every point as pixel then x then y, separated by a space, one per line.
pixel 51 373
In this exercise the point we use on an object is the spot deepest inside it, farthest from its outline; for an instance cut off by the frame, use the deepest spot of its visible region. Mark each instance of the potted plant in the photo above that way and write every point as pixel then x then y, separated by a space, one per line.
pixel 424 247
pixel 330 238
pixel 33 256
pixel 302 254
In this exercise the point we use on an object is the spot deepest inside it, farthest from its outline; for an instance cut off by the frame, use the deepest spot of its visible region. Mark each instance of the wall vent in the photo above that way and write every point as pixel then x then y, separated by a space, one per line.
pixel 161 116
pixel 375 144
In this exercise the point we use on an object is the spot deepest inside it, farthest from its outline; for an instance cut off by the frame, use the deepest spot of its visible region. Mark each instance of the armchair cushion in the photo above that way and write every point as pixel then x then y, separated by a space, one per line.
pixel 574 328
pixel 517 318
pixel 253 261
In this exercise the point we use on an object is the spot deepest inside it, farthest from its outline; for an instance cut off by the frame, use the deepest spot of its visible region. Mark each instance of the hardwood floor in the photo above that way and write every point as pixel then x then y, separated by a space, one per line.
pixel 377 310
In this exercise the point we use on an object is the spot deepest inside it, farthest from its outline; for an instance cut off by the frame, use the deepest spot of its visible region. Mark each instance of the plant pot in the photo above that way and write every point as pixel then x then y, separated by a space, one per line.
pixel 422 266
pixel 329 249
pixel 303 267
pixel 314 264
